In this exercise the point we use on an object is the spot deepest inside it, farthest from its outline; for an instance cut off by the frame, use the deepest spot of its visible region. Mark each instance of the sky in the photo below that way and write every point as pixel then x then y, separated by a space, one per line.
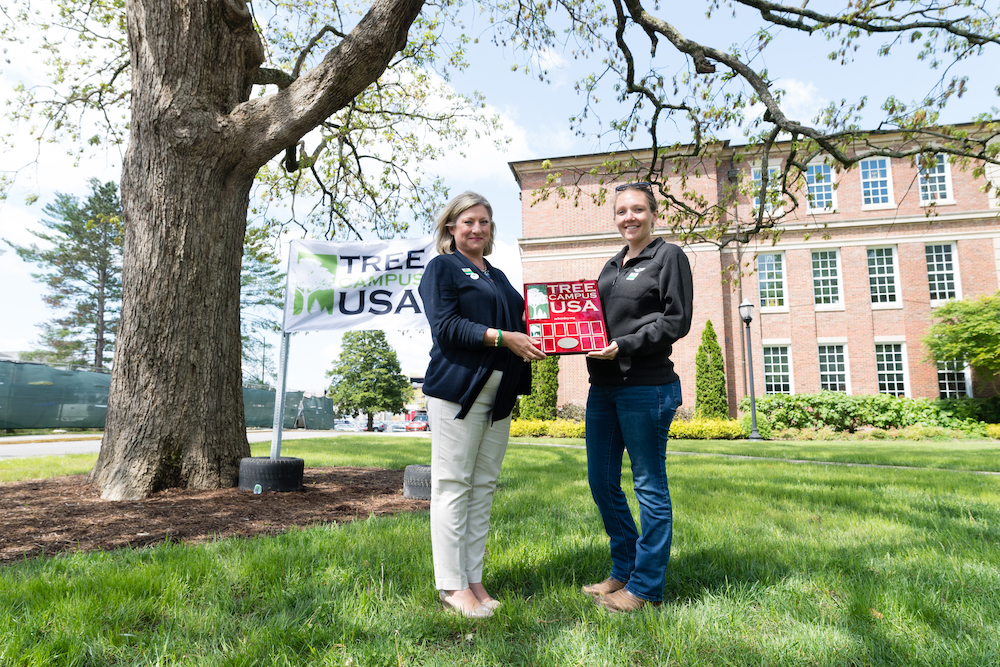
pixel 535 118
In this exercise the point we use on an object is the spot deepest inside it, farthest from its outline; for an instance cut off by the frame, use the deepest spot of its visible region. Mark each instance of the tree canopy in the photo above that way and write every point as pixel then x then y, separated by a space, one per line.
pixel 367 378
pixel 969 331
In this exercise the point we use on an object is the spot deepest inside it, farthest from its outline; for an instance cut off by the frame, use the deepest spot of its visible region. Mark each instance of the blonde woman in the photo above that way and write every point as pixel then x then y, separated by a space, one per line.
pixel 477 369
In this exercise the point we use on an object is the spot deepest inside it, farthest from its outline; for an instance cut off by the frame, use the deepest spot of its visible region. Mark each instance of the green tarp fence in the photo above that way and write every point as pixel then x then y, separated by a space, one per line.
pixel 34 395
pixel 317 413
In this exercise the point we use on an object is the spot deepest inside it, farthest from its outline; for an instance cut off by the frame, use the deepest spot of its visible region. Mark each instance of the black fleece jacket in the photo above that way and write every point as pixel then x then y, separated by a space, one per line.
pixel 647 306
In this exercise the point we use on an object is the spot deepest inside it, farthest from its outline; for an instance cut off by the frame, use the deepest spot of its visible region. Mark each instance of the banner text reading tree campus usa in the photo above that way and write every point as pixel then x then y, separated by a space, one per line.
pixel 356 285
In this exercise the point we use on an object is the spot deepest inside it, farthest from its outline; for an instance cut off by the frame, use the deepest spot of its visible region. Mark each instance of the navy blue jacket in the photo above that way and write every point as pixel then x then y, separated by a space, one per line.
pixel 461 304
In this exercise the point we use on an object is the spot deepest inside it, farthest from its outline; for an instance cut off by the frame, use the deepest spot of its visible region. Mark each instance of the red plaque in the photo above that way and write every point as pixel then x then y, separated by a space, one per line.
pixel 566 316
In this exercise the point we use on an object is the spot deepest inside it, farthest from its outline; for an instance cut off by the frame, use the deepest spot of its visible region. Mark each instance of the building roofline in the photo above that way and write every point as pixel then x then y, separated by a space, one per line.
pixel 589 160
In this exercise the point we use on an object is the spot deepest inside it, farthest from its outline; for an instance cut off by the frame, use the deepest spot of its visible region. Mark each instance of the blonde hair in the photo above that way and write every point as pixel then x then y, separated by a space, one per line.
pixel 449 215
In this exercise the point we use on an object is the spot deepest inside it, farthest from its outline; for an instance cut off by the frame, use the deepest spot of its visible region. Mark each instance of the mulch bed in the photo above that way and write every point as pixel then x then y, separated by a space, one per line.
pixel 50 516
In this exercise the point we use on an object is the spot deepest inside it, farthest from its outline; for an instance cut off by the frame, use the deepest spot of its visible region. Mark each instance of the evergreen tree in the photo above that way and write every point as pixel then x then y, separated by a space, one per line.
pixel 367 378
pixel 711 398
pixel 262 285
pixel 541 403
pixel 82 269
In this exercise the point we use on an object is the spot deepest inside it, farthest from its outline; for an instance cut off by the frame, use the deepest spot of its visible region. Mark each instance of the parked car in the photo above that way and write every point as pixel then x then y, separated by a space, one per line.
pixel 418 423
pixel 345 425
pixel 397 426
pixel 377 425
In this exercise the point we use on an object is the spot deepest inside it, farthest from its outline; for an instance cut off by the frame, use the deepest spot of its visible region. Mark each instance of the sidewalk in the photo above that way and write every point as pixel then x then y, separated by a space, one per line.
pixel 57 444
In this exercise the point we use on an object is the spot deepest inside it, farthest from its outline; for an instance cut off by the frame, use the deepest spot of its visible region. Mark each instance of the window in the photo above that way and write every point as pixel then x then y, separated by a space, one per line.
pixel 935 182
pixel 891 369
pixel 832 368
pixel 882 275
pixel 773 199
pixel 826 278
pixel 941 272
pixel 777 371
pixel 953 381
pixel 819 188
pixel 876 182
pixel 771 280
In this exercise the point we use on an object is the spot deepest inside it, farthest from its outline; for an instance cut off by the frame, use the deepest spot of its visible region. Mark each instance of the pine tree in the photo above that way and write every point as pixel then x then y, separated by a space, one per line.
pixel 541 403
pixel 262 287
pixel 82 269
pixel 367 378
pixel 711 398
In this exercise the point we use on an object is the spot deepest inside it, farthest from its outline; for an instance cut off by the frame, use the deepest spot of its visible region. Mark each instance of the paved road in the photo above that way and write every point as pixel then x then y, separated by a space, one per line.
pixel 20 446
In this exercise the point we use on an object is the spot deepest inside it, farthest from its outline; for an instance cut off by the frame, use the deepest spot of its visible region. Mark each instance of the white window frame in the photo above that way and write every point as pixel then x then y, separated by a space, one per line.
pixel 783 308
pixel 888 170
pixel 822 210
pixel 954 273
pixel 773 168
pixel 839 340
pixel 839 303
pixel 898 284
pixel 901 342
pixel 966 373
pixel 787 345
pixel 945 172
pixel 847 366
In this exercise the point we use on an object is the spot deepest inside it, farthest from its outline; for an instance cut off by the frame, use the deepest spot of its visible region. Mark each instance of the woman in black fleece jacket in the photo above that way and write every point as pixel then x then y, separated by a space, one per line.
pixel 646 292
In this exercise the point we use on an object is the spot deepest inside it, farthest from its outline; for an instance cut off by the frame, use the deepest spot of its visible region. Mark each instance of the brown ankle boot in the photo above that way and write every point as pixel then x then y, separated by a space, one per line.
pixel 607 586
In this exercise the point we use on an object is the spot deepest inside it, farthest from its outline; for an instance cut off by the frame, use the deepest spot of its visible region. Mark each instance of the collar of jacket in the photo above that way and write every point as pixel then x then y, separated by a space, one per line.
pixel 648 251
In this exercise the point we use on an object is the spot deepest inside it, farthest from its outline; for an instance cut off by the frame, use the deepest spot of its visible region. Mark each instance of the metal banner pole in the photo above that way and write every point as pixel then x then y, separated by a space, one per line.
pixel 279 397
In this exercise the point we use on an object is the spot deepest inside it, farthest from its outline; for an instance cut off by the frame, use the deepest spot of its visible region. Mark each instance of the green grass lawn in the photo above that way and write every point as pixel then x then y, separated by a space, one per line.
pixel 773 563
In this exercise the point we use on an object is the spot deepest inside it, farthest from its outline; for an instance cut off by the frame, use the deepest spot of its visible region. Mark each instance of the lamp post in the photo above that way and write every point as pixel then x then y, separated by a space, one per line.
pixel 746 312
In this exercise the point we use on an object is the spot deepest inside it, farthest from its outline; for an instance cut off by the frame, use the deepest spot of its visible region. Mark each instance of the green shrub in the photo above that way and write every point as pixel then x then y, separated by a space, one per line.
pixel 706 429
pixel 541 402
pixel 528 428
pixel 564 428
pixel 711 399
pixel 572 411
pixel 993 431
pixel 843 413
pixel 763 425
pixel 922 432
pixel 542 428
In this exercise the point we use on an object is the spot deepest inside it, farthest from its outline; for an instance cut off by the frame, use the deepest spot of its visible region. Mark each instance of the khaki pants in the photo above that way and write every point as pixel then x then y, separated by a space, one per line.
pixel 465 461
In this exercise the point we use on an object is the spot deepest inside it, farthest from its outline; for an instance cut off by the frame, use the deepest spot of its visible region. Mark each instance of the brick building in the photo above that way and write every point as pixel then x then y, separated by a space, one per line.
pixel 841 301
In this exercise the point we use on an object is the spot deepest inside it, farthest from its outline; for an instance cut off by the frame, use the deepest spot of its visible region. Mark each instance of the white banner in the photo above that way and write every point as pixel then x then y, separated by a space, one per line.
pixel 356 285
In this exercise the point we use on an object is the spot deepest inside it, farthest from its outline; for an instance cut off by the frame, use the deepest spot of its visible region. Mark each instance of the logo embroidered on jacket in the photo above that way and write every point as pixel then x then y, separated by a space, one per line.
pixel 635 273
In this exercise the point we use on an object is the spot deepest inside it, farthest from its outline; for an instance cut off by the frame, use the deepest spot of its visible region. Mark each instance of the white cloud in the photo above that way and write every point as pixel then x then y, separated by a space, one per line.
pixel 801 102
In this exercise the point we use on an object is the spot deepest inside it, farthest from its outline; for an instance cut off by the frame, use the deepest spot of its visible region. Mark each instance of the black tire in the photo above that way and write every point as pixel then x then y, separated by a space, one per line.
pixel 417 482
pixel 281 474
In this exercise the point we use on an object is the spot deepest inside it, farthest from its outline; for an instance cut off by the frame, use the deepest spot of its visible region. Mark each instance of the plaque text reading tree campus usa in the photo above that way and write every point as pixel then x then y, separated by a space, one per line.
pixel 566 316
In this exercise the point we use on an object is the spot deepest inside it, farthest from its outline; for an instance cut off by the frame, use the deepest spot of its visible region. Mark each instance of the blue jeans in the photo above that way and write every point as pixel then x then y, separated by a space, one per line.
pixel 637 420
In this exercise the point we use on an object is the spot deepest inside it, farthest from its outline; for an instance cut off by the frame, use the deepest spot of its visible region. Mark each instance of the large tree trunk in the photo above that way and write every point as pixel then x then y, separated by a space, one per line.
pixel 175 410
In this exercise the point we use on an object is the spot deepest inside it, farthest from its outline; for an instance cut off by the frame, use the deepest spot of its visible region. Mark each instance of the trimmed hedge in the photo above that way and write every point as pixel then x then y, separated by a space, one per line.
pixel 993 431
pixel 540 428
pixel 706 429
pixel 696 429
